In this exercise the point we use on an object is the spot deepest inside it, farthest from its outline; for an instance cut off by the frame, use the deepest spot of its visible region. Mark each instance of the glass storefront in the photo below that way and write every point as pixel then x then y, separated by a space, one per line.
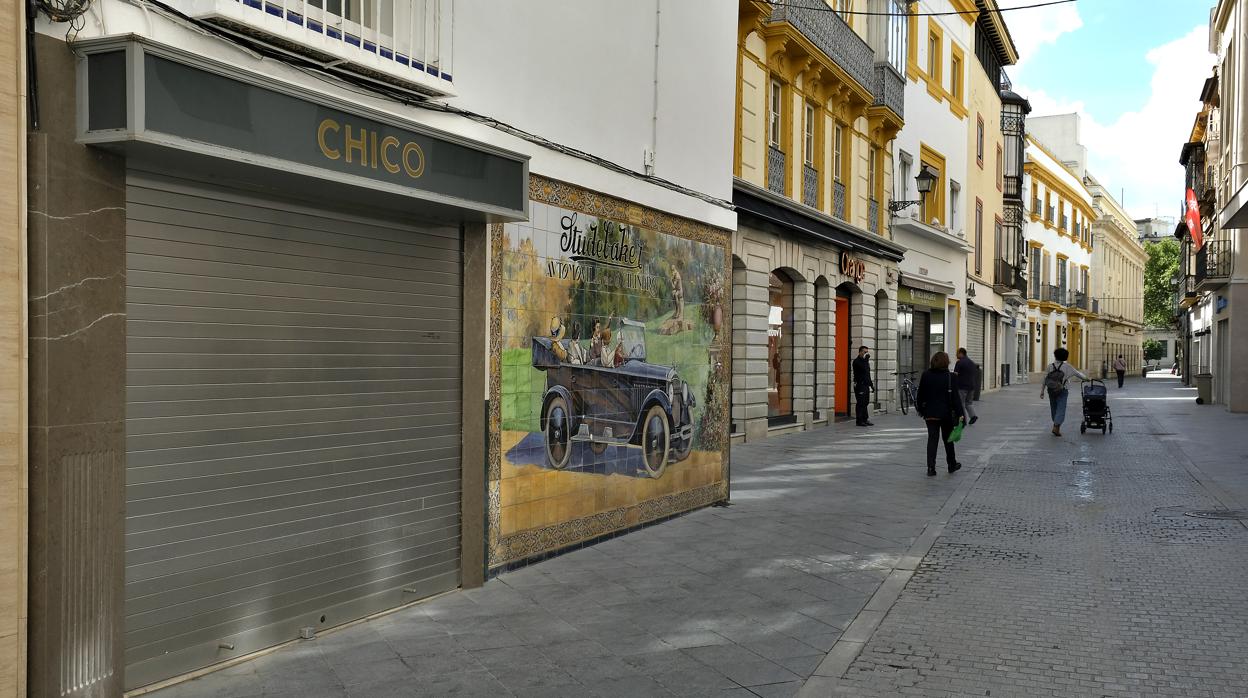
pixel 780 348
pixel 920 329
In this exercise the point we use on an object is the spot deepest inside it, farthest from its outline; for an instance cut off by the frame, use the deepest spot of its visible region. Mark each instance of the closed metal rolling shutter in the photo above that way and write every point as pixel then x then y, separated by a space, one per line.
pixel 975 339
pixel 992 364
pixel 292 416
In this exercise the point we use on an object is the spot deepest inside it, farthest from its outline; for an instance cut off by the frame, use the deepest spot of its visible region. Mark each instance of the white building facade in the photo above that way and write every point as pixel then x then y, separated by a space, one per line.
pixel 931 298
pixel 287 239
pixel 1059 239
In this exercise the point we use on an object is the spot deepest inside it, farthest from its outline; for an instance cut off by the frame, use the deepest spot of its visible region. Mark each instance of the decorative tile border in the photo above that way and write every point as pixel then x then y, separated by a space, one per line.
pixel 532 542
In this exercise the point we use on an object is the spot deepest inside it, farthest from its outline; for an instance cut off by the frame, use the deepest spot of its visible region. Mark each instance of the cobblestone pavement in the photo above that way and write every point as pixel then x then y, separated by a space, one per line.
pixel 1072 568
pixel 1056 567
pixel 744 600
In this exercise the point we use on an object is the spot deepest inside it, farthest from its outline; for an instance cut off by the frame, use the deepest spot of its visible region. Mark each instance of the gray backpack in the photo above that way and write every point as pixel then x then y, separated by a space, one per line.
pixel 1055 380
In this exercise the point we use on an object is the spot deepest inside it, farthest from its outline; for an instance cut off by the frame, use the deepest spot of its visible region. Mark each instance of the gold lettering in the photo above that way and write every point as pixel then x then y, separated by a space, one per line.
pixel 373 138
pixel 326 126
pixel 419 169
pixel 389 142
pixel 360 145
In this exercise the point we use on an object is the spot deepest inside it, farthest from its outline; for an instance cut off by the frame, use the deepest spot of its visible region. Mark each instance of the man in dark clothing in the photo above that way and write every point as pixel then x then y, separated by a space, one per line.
pixel 863 385
pixel 967 373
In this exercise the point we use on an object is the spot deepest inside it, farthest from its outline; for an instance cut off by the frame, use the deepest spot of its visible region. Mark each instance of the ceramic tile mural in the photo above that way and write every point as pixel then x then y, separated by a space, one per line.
pixel 612 387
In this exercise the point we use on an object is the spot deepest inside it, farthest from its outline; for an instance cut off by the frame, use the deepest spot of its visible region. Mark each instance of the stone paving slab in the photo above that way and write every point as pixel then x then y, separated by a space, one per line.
pixel 1073 569
pixel 741 600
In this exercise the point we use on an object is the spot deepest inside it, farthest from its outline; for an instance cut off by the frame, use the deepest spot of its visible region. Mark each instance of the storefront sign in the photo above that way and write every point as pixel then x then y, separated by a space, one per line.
pixel 854 268
pixel 916 296
pixel 243 120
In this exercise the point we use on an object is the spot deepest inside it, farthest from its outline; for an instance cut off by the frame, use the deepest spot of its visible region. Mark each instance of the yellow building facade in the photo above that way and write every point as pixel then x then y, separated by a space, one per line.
pixel 820 95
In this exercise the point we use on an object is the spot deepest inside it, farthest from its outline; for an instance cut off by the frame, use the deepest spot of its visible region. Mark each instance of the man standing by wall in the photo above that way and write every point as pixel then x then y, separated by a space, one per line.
pixel 863 385
pixel 967 373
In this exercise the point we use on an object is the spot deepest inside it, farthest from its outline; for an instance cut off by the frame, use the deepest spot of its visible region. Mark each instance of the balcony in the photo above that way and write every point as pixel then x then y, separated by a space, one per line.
pixel 838 200
pixel 810 186
pixel 1065 222
pixel 1048 215
pixel 401 42
pixel 1005 277
pixel 873 216
pixel 776 162
pixel 1213 264
pixel 890 89
pixel 1052 294
pixel 1036 207
pixel 831 35
pixel 1080 301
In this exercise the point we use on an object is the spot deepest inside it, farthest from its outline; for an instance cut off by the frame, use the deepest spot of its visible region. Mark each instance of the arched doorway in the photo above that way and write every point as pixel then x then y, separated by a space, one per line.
pixel 844 352
pixel 780 331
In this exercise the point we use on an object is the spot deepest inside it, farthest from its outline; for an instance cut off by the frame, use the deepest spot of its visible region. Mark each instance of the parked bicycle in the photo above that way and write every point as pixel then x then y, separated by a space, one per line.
pixel 909 391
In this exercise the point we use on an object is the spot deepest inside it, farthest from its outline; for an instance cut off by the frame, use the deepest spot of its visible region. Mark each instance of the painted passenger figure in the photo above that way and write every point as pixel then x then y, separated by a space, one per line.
pixel 576 352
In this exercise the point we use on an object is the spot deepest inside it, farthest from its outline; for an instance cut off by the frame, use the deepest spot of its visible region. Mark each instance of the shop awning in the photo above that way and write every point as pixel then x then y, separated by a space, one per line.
pixel 925 284
pixel 767 208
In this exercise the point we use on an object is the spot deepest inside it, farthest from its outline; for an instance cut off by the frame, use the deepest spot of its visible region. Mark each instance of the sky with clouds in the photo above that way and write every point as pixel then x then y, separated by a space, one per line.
pixel 1133 70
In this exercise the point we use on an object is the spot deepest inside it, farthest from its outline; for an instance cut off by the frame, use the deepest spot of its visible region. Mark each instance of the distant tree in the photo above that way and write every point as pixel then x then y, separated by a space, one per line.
pixel 1162 266
pixel 1154 350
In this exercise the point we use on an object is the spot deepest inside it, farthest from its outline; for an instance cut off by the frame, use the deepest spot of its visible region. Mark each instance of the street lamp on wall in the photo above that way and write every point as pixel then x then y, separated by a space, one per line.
pixel 924 180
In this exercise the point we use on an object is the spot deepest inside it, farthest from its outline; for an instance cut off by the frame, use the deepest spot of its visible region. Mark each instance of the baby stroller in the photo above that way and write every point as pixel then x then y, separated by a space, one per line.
pixel 1096 408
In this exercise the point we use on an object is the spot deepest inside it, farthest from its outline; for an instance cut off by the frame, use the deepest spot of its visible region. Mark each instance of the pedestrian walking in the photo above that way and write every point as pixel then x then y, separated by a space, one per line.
pixel 940 405
pixel 967 374
pixel 1055 378
pixel 1120 367
pixel 863 385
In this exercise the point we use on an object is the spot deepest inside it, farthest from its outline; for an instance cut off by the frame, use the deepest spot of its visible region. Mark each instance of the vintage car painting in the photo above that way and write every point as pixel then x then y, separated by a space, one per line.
pixel 620 400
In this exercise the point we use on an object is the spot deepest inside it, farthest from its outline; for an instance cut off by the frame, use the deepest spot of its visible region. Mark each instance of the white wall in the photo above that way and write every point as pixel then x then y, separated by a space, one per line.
pixel 1060 134
pixel 580 74
pixel 583 74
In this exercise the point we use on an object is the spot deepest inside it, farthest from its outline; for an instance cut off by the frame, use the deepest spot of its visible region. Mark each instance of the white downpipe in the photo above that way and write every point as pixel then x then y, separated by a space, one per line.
pixel 649 164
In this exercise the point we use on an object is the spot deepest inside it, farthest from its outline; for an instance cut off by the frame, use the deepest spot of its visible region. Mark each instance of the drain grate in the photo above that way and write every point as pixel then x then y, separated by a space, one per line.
pixel 1229 514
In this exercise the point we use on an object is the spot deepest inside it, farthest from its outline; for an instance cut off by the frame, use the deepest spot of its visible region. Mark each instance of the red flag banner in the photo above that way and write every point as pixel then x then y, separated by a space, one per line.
pixel 1192 218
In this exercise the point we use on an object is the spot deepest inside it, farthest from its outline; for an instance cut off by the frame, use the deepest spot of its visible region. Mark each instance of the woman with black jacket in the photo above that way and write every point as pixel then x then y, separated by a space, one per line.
pixel 941 407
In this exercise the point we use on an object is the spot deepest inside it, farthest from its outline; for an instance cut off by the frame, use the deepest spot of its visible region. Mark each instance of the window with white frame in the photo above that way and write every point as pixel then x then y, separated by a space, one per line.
pixel 905 163
pixel 955 196
pixel 773 114
pixel 809 142
pixel 898 33
pixel 838 144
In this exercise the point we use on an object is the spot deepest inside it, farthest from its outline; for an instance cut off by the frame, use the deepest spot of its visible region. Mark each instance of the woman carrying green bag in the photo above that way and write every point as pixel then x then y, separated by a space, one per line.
pixel 941 408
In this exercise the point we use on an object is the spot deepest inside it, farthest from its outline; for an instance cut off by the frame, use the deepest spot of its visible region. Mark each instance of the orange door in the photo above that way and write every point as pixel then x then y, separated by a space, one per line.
pixel 843 357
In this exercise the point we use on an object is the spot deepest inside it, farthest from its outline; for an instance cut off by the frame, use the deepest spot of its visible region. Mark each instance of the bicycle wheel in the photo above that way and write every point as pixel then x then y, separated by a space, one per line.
pixel 905 399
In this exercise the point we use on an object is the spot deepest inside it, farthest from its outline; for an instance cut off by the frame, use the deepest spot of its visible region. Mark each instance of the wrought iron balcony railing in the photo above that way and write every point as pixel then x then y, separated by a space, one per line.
pixel 776 162
pixel 838 200
pixel 890 89
pixel 405 42
pixel 1213 261
pixel 1079 300
pixel 832 35
pixel 873 216
pixel 1052 294
pixel 1035 206
pixel 1006 274
pixel 1048 214
pixel 810 186
pixel 1065 222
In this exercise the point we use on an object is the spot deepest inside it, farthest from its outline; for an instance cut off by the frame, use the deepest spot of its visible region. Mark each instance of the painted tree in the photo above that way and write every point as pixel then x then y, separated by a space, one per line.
pixel 1161 268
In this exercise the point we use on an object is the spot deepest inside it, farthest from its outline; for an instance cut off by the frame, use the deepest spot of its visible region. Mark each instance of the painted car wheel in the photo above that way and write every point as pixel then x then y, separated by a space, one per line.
pixel 681 451
pixel 656 440
pixel 558 425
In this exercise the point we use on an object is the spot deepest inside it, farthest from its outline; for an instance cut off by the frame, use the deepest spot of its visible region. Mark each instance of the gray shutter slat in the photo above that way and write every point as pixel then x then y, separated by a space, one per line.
pixel 292 419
